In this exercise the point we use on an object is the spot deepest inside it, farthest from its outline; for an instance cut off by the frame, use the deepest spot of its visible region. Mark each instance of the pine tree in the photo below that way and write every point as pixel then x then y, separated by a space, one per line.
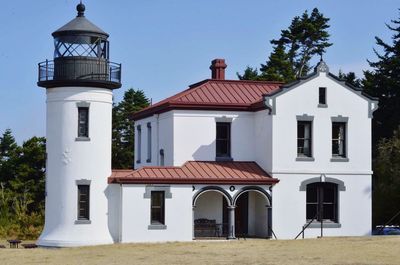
pixel 350 78
pixel 123 132
pixel 383 82
pixel 278 67
pixel 249 74
pixel 306 37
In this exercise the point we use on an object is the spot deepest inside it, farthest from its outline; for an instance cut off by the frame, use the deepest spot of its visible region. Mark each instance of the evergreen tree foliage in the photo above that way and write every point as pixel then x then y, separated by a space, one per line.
pixel 306 37
pixel 350 78
pixel 22 186
pixel 123 132
pixel 384 82
pixel 386 193
pixel 249 74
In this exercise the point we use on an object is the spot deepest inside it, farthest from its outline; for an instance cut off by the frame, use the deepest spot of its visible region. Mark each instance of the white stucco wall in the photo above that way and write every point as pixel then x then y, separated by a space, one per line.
pixel 69 160
pixel 136 215
pixel 304 100
pixel 289 207
pixel 195 132
pixel 257 215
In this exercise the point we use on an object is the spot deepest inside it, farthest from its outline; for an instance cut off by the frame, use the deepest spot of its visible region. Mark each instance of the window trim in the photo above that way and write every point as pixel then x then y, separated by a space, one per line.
pixel 344 120
pixel 228 156
pixel 320 104
pixel 149 142
pixel 305 119
pixel 80 220
pixel 157 224
pixel 83 105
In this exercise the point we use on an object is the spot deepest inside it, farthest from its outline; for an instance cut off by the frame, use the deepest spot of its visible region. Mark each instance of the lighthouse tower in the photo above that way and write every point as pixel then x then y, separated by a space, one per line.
pixel 79 84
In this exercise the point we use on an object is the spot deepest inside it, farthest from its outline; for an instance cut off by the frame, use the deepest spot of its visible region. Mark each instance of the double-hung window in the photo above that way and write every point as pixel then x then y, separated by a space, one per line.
pixel 322 202
pixel 304 139
pixel 223 140
pixel 157 207
pixel 339 139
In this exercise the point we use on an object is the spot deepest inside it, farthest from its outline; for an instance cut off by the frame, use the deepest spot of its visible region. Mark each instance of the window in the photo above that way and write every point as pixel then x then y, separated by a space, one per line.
pixel 223 140
pixel 304 139
pixel 157 207
pixel 139 143
pixel 339 139
pixel 322 95
pixel 322 201
pixel 83 122
pixel 83 202
pixel 148 142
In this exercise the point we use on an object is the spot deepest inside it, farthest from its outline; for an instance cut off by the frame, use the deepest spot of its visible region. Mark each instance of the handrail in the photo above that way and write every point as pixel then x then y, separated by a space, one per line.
pixel 273 233
pixel 77 69
pixel 307 225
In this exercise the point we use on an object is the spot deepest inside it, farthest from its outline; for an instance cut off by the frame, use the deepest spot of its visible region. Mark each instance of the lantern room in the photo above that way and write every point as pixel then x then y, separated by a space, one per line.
pixel 81 57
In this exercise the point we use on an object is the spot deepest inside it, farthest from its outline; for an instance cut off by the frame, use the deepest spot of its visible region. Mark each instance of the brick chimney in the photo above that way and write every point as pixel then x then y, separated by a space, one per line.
pixel 218 69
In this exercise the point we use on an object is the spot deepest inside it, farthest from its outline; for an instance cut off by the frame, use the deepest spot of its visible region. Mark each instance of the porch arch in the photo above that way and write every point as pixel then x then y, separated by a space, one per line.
pixel 215 189
pixel 255 189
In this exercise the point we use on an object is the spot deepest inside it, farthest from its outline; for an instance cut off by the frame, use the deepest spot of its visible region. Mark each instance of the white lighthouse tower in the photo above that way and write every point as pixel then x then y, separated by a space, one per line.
pixel 79 84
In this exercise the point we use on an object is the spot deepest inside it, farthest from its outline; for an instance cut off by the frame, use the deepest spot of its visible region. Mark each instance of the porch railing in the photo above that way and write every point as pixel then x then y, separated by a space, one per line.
pixel 306 226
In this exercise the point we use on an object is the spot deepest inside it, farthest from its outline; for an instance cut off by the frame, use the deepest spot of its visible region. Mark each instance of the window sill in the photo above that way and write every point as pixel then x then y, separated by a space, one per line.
pixel 157 227
pixel 82 139
pixel 224 159
pixel 305 159
pixel 339 159
pixel 82 222
pixel 322 105
pixel 326 224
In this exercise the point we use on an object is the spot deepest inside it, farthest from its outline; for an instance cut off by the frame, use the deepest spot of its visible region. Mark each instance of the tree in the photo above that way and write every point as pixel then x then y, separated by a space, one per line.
pixel 386 194
pixel 350 78
pixel 123 132
pixel 249 74
pixel 9 152
pixel 383 82
pixel 306 37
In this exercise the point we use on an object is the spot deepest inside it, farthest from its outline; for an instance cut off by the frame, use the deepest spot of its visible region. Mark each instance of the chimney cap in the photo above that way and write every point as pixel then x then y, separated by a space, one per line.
pixel 218 69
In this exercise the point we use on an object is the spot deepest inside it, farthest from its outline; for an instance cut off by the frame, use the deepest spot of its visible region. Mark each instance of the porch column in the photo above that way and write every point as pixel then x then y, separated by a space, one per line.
pixel 231 222
pixel 193 207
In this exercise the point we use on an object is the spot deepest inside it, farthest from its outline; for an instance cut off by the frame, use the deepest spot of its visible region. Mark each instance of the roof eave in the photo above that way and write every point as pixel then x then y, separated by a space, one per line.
pixel 127 180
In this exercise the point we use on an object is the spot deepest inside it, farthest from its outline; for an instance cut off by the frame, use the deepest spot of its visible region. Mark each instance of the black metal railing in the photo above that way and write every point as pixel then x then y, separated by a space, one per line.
pixel 307 225
pixel 85 69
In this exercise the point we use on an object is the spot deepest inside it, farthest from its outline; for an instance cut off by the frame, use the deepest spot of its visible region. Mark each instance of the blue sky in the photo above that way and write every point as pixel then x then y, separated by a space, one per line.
pixel 165 45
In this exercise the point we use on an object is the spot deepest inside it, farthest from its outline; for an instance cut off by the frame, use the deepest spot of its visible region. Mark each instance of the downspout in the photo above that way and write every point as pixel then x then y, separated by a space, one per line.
pixel 158 139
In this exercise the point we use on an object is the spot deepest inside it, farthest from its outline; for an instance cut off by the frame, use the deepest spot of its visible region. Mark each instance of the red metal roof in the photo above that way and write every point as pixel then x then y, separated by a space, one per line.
pixel 213 94
pixel 196 172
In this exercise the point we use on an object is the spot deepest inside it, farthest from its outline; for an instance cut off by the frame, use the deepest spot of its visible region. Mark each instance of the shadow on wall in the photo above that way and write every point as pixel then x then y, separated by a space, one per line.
pixel 368 191
pixel 112 195
pixel 205 153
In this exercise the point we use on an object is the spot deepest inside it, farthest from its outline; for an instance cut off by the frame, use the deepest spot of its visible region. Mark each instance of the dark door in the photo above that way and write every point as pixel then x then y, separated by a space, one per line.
pixel 241 215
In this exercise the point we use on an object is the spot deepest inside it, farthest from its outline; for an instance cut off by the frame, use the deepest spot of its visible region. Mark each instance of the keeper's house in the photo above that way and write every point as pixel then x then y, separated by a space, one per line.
pixel 224 158
pixel 250 158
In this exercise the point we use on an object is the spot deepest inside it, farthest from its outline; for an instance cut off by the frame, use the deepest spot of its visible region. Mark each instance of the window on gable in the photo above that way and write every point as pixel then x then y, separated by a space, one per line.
pixel 322 201
pixel 83 122
pixel 304 139
pixel 157 207
pixel 338 139
pixel 139 143
pixel 83 202
pixel 322 95
pixel 148 142
pixel 223 140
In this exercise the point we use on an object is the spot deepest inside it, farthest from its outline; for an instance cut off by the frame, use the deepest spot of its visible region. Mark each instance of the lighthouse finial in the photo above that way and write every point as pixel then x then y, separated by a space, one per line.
pixel 81 9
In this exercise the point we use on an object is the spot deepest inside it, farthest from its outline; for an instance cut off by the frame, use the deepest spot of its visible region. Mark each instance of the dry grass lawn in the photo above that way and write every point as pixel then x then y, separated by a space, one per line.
pixel 350 250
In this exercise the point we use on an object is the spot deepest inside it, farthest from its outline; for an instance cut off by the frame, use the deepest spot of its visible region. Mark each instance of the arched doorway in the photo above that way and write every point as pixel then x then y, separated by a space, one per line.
pixel 210 212
pixel 252 213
